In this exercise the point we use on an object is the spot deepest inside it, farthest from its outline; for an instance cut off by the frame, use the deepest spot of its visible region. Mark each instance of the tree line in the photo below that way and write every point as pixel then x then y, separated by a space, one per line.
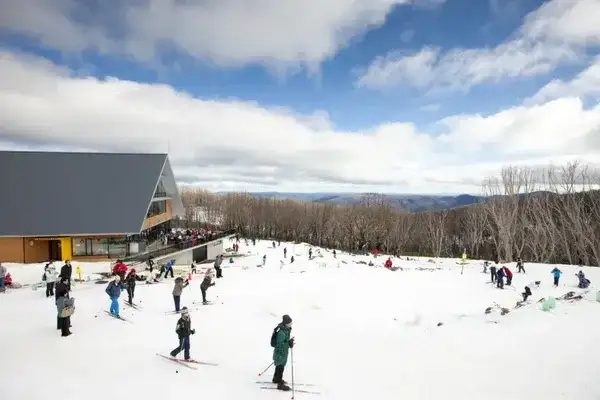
pixel 547 215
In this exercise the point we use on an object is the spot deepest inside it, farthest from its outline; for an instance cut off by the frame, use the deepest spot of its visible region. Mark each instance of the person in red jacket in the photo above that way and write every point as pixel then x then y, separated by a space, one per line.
pixel 120 269
pixel 509 275
pixel 388 263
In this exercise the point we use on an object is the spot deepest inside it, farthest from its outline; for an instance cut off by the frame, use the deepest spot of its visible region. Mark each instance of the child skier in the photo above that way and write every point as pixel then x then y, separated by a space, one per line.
pixel 130 282
pixel 557 273
pixel 493 272
pixel 527 291
pixel 509 276
pixel 113 290
pixel 281 342
pixel 520 266
pixel 183 330
pixel 500 276
pixel 179 285
pixel 207 282
pixel 583 281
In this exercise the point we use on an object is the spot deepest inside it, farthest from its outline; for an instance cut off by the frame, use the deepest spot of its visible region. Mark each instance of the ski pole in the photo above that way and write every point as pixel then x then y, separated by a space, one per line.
pixel 266 369
pixel 293 389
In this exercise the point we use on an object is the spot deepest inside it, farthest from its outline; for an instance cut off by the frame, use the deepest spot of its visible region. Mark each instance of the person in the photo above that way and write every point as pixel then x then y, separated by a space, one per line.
pixel 310 253
pixel 113 290
pixel 120 269
pixel 66 272
pixel 264 260
pixel 509 275
pixel 520 266
pixel 388 263
pixel 334 254
pixel 3 272
pixel 285 252
pixel 178 287
pixel 206 283
pixel 500 277
pixel 168 269
pixel 493 272
pixel 130 281
pixel 150 263
pixel 557 273
pixel 583 281
pixel 50 276
pixel 194 268
pixel 183 330
pixel 527 292
pixel 292 260
pixel 485 266
pixel 217 265
pixel 62 302
pixel 281 343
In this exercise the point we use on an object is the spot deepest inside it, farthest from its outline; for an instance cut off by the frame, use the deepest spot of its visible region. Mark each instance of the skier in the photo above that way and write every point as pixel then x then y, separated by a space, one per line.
pixel 150 264
pixel 285 252
pixel 62 302
pixel 583 281
pixel 557 273
pixel 292 260
pixel 334 254
pixel 113 290
pixel 527 292
pixel 183 330
pixel 500 276
pixel 520 265
pixel 264 260
pixel 509 275
pixel 206 283
pixel 50 276
pixel 485 266
pixel 130 281
pixel 65 273
pixel 281 342
pixel 3 272
pixel 120 269
pixel 310 253
pixel 388 263
pixel 178 287
pixel 493 272
pixel 217 266
pixel 193 267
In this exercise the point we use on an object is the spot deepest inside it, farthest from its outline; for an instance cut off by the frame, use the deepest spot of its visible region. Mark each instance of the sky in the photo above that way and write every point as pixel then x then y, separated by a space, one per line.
pixel 392 96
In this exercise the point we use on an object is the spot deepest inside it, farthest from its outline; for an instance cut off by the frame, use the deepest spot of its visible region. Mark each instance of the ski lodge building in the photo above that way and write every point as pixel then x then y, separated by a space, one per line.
pixel 83 206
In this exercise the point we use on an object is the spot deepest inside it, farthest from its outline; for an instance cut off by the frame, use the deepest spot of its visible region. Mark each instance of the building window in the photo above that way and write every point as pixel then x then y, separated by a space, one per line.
pixel 85 247
pixel 160 190
pixel 99 247
pixel 117 247
pixel 157 208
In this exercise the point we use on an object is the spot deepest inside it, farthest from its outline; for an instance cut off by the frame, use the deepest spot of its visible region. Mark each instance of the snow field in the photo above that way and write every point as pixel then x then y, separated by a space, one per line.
pixel 361 332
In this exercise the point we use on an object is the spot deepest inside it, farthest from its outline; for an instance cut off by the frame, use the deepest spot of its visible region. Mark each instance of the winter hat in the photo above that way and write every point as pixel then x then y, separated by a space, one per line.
pixel 185 311
pixel 132 271
pixel 116 278
pixel 286 320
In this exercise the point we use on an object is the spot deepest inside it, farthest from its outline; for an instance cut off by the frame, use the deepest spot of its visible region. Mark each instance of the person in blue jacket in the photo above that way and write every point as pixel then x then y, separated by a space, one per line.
pixel 500 276
pixel 557 273
pixel 113 290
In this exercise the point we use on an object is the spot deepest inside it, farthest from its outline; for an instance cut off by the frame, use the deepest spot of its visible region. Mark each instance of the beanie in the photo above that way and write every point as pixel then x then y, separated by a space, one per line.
pixel 286 319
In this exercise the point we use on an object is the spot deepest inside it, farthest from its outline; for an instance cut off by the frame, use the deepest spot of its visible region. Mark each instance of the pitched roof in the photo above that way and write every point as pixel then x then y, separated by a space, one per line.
pixel 55 194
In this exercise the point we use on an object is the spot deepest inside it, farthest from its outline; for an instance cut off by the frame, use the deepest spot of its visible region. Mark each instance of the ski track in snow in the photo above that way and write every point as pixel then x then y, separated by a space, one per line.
pixel 361 333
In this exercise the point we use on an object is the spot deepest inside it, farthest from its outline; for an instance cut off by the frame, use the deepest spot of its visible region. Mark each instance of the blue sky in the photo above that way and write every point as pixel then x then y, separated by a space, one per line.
pixel 416 97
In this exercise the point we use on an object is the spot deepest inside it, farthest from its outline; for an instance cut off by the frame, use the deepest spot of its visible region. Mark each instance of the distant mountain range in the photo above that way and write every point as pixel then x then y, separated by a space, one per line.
pixel 408 202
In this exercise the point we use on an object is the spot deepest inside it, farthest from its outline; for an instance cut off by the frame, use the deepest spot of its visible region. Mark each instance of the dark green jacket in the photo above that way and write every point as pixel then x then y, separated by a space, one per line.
pixel 282 347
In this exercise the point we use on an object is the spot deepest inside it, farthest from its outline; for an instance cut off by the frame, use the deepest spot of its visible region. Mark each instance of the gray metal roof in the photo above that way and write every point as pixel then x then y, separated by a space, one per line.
pixel 54 194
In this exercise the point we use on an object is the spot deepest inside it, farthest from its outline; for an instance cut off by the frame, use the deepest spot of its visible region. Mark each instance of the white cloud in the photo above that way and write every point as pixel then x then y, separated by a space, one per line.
pixel 277 33
pixel 431 107
pixel 241 145
pixel 557 32
pixel 586 83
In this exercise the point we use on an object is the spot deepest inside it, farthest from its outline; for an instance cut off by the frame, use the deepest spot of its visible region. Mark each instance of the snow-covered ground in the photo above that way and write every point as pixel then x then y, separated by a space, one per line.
pixel 361 333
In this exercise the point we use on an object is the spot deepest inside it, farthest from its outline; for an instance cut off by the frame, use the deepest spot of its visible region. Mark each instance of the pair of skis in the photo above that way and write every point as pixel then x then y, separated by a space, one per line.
pixel 117 317
pixel 187 363
pixel 274 387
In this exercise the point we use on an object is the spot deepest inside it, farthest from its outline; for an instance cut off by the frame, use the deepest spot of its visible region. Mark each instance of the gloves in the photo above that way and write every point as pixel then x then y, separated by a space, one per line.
pixel 291 343
pixel 193 331
pixel 212 284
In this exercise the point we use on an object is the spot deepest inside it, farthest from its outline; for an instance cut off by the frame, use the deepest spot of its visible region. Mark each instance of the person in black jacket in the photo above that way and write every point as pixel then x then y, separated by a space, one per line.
pixel 65 273
pixel 184 330
pixel 130 283
pixel 494 272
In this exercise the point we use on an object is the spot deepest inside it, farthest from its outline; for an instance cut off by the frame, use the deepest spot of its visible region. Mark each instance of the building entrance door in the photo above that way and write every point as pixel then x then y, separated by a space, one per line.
pixel 55 250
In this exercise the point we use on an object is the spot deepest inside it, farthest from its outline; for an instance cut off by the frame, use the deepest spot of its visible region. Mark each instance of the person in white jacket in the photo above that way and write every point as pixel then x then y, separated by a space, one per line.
pixel 50 276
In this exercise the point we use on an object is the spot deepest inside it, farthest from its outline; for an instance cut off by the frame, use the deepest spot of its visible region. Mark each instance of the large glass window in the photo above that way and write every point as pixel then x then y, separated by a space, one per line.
pixel 157 208
pixel 99 247
pixel 80 247
pixel 160 190
pixel 117 247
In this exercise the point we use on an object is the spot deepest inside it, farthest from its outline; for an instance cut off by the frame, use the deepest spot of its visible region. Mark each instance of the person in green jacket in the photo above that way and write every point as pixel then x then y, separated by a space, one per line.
pixel 282 344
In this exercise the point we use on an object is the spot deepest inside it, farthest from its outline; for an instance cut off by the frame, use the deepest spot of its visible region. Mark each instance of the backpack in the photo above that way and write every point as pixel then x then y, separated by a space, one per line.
pixel 274 336
pixel 69 308
pixel 44 277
